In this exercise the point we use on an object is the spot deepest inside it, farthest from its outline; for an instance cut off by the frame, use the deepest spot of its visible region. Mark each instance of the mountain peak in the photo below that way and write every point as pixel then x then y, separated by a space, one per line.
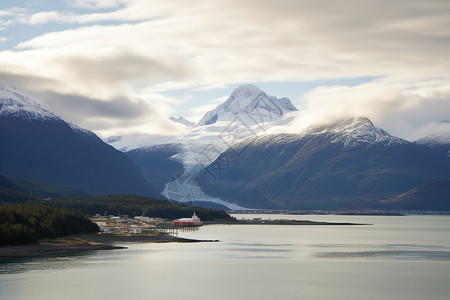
pixel 249 101
pixel 442 138
pixel 246 91
pixel 16 103
pixel 360 131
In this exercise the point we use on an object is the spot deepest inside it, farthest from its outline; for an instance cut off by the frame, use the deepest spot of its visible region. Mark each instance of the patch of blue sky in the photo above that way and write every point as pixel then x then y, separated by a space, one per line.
pixel 18 31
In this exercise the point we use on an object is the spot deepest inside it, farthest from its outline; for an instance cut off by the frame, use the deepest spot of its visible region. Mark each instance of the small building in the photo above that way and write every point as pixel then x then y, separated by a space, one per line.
pixel 134 230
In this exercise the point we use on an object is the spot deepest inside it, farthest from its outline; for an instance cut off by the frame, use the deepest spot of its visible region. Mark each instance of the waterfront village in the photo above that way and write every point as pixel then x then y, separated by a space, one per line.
pixel 137 225
pixel 146 225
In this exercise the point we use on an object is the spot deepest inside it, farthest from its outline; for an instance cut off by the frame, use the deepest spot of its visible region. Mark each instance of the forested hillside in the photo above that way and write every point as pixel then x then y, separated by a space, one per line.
pixel 27 223
pixel 134 205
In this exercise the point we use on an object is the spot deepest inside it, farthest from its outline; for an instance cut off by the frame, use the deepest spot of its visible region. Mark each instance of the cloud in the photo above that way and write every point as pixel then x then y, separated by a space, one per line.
pixel 49 16
pixel 404 107
pixel 155 46
pixel 93 4
pixel 120 114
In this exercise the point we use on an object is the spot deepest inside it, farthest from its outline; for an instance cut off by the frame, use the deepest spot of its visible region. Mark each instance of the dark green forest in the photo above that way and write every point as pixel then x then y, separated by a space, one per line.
pixel 134 205
pixel 24 219
pixel 131 205
pixel 11 196
pixel 27 223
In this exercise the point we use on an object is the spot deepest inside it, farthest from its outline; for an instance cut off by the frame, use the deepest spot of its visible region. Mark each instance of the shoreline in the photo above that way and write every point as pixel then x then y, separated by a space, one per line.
pixel 91 242
pixel 283 222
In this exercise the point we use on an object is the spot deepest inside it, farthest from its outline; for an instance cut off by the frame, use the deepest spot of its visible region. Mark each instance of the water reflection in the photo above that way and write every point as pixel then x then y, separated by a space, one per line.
pixel 50 262
pixel 390 254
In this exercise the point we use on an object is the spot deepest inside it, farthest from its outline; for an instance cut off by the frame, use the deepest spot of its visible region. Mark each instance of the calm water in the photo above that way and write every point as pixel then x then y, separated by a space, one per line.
pixel 395 258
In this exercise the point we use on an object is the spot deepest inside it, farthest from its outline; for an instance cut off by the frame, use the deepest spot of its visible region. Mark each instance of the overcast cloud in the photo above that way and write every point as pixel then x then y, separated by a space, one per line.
pixel 110 68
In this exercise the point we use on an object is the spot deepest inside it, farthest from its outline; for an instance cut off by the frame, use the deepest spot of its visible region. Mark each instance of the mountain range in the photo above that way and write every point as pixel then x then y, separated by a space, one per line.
pixel 347 163
pixel 326 167
pixel 228 160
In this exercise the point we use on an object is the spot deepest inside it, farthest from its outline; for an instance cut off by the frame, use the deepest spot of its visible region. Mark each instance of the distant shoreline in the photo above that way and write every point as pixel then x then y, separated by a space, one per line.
pixel 90 242
pixel 283 222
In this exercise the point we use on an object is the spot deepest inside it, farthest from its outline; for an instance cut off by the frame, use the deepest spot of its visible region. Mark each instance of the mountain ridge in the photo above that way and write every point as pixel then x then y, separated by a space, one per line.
pixel 40 146
pixel 323 168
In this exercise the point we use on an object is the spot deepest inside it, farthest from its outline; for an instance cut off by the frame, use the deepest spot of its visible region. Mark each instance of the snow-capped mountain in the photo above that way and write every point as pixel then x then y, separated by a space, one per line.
pixel 326 167
pixel 247 112
pixel 437 144
pixel 251 104
pixel 361 132
pixel 352 132
pixel 435 139
pixel 230 159
pixel 36 144
pixel 182 121
pixel 16 103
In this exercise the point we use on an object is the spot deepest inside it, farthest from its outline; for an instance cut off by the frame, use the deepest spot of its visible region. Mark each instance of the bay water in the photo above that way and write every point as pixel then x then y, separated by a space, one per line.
pixel 397 257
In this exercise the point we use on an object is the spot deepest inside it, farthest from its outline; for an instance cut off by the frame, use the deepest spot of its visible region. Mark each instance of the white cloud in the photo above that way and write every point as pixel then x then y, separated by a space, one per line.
pixel 92 4
pixel 49 16
pixel 404 107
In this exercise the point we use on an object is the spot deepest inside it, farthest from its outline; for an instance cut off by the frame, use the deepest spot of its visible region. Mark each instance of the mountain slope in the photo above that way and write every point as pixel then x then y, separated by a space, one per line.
pixel 326 167
pixel 157 164
pixel 429 196
pixel 249 102
pixel 39 189
pixel 437 144
pixel 38 145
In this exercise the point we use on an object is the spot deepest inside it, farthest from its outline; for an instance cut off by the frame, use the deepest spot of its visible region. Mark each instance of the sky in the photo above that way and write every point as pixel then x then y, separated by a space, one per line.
pixel 125 66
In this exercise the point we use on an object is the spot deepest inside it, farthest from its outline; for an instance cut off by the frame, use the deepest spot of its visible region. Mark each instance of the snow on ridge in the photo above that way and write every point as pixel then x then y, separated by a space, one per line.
pixel 138 140
pixel 442 138
pixel 14 102
pixel 169 146
pixel 361 131
pixel 349 132
pixel 17 103
pixel 251 101
pixel 79 129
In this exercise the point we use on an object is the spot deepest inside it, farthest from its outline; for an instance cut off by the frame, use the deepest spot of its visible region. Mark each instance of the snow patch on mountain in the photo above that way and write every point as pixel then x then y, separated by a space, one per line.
pixel 361 132
pixel 80 129
pixel 186 189
pixel 14 102
pixel 133 141
pixel 250 102
pixel 435 139
pixel 353 132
